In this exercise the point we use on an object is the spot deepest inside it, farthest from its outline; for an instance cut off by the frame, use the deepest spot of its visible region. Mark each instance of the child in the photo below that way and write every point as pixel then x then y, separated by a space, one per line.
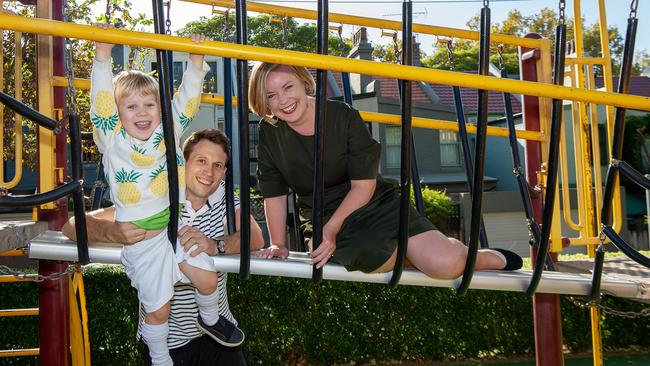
pixel 125 113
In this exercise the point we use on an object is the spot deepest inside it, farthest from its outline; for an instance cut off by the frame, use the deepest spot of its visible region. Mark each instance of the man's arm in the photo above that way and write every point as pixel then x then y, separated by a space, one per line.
pixel 256 238
pixel 190 236
pixel 102 228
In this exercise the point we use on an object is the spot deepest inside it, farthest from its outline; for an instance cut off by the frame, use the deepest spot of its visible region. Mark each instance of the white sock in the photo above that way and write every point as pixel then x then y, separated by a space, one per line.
pixel 155 336
pixel 208 306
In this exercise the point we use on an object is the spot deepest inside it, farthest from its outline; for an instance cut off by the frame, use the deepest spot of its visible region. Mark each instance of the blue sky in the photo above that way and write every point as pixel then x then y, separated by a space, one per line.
pixel 435 12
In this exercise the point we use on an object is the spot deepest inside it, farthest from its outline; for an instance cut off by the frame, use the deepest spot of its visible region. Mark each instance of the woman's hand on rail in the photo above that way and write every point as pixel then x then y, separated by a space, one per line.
pixel 326 249
pixel 280 251
pixel 103 50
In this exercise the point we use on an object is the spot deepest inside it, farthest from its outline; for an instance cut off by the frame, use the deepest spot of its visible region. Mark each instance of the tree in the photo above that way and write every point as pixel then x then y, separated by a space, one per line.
pixel 266 31
pixel 516 24
pixel 80 11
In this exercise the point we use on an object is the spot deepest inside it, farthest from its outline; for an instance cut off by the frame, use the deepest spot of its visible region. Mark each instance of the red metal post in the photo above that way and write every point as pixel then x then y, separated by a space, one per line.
pixel 53 294
pixel 546 307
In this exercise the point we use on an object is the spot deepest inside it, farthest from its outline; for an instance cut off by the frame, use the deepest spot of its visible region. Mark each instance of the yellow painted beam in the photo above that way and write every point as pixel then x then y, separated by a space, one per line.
pixel 11 279
pixel 393 119
pixel 373 22
pixel 214 48
pixel 17 252
pixel 585 61
pixel 20 352
pixel 18 312
pixel 46 138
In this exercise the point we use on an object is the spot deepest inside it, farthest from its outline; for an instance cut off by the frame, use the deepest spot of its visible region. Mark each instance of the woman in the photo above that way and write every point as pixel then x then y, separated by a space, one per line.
pixel 360 208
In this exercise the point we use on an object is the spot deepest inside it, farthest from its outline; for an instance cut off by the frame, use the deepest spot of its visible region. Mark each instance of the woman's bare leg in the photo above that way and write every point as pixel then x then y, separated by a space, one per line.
pixel 438 256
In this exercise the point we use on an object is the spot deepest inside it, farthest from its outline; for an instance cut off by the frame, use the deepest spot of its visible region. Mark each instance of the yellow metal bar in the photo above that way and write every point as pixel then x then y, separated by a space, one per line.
pixel 11 279
pixel 18 119
pixel 595 146
pixel 577 159
pixel 334 63
pixel 596 338
pixel 46 138
pixel 371 22
pixel 594 312
pixel 19 352
pixel 2 119
pixel 583 128
pixel 18 312
pixel 564 176
pixel 586 241
pixel 367 116
pixel 617 213
pixel 585 60
pixel 17 252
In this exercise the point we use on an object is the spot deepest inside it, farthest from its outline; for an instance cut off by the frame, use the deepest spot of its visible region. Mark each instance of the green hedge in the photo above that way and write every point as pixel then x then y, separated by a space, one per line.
pixel 292 321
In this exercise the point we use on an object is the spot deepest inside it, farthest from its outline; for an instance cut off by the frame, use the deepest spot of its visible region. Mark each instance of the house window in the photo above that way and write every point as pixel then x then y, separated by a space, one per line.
pixel 449 149
pixel 177 72
pixel 393 144
pixel 210 83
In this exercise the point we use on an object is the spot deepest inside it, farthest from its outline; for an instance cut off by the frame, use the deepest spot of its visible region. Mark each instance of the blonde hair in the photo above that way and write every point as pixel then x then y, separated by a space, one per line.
pixel 132 82
pixel 257 99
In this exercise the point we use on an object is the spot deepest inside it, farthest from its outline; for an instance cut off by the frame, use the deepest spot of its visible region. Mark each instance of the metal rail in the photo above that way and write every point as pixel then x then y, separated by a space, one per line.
pixel 215 48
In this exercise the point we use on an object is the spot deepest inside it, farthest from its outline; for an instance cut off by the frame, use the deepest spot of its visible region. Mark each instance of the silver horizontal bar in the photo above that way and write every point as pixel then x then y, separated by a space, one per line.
pixel 52 245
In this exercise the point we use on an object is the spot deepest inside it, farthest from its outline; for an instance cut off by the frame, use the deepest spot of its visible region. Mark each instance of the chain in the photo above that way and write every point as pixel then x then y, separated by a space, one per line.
pixel 71 107
pixel 285 31
pixel 168 21
pixel 225 31
pixel 398 58
pixel 562 15
pixel 633 6
pixel 450 55
pixel 584 305
pixel 500 55
pixel 107 14
pixel 340 34
pixel 37 277
pixel 486 3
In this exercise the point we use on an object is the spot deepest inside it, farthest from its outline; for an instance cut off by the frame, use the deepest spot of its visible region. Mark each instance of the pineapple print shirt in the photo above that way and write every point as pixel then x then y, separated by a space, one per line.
pixel 136 171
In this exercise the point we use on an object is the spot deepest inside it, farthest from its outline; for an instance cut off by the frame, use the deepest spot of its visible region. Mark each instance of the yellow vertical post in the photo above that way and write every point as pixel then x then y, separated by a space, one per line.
pixel 46 140
pixel 2 121
pixel 583 129
pixel 594 312
pixel 617 215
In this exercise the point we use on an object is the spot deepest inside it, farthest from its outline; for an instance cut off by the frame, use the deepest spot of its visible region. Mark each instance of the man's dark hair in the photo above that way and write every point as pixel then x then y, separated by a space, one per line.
pixel 209 134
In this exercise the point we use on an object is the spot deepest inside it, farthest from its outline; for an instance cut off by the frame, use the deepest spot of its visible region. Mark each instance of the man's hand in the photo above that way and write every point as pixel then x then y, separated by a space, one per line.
pixel 195 242
pixel 274 251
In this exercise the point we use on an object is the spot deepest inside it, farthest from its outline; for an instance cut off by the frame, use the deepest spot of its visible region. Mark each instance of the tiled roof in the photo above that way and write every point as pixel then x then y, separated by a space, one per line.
pixel 389 89
pixel 639 85
pixel 470 99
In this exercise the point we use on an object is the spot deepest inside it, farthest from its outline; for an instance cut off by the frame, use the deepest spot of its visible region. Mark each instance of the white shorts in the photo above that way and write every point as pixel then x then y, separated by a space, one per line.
pixel 152 269
pixel 202 260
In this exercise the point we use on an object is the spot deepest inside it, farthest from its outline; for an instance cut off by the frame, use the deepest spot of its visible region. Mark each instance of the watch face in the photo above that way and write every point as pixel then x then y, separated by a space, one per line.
pixel 221 246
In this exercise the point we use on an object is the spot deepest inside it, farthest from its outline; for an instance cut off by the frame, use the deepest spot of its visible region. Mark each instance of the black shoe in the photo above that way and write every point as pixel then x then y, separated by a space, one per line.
pixel 223 331
pixel 513 260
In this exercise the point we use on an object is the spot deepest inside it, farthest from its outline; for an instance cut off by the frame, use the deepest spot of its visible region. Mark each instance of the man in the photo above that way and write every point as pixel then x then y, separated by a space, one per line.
pixel 206 153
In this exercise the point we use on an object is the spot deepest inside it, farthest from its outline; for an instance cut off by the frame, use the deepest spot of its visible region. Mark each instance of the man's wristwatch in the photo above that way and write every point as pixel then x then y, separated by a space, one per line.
pixel 221 246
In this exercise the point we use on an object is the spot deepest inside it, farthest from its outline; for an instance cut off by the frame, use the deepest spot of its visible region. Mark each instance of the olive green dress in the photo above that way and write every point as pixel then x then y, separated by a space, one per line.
pixel 368 236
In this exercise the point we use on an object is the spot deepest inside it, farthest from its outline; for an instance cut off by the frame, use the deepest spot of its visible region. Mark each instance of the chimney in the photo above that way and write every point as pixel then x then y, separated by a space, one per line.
pixel 416 52
pixel 362 50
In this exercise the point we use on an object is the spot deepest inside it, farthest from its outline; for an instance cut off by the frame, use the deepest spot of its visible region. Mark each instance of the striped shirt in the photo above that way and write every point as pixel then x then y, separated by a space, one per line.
pixel 211 219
